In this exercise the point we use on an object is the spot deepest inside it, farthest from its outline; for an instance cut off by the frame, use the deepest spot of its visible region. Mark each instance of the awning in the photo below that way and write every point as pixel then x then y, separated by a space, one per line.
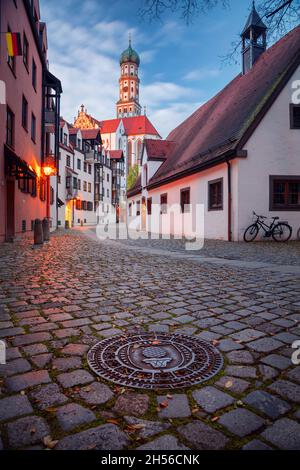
pixel 60 202
pixel 16 167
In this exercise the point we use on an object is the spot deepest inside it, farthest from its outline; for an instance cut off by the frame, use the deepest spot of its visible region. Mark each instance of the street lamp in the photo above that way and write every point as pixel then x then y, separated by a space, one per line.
pixel 48 170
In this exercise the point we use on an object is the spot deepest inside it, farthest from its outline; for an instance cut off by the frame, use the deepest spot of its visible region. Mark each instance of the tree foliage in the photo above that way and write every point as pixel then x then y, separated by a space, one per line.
pixel 133 174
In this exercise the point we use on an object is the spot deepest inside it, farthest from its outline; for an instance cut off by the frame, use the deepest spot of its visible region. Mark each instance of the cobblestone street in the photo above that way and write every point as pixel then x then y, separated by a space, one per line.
pixel 59 300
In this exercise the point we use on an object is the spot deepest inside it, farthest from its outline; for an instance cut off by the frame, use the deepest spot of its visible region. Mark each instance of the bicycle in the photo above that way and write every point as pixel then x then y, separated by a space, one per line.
pixel 279 231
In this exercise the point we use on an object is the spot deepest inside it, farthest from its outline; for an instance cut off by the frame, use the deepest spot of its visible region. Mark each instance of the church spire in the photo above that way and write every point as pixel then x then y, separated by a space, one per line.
pixel 254 41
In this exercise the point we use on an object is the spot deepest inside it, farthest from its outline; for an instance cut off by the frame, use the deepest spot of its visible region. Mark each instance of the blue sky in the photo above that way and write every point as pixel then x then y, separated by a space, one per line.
pixel 181 66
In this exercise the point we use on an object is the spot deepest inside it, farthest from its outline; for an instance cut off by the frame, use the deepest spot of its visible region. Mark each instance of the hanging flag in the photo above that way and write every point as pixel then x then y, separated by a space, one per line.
pixel 13 42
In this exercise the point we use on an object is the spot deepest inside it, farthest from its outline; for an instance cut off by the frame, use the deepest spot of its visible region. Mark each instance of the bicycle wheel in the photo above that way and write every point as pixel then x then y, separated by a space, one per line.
pixel 281 232
pixel 251 233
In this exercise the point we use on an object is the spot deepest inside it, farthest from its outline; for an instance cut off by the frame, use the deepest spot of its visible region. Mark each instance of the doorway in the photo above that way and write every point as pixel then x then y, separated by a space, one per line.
pixel 10 210
pixel 144 213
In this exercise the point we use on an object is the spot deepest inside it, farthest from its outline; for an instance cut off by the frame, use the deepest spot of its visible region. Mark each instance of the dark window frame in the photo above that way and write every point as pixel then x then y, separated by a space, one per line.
pixel 219 206
pixel 185 210
pixel 286 179
pixel 11 60
pixel 292 116
pixel 24 113
pixel 25 52
pixel 149 205
pixel 34 72
pixel 164 205
pixel 33 128
pixel 10 131
pixel 138 207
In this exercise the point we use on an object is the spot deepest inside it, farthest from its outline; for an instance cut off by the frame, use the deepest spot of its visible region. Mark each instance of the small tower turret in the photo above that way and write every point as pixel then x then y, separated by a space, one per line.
pixel 254 40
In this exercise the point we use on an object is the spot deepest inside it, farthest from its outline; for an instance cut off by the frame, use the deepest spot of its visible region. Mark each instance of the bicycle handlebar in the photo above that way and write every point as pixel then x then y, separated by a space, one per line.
pixel 259 216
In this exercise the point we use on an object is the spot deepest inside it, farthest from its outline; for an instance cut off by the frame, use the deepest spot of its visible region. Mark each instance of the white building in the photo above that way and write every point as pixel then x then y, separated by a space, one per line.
pixel 237 153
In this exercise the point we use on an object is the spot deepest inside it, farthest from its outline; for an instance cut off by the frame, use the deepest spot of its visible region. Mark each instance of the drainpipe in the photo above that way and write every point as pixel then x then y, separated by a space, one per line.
pixel 229 199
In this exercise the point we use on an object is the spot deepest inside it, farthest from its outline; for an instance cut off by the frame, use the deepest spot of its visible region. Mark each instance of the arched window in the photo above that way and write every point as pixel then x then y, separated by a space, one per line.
pixel 129 154
pixel 120 143
pixel 138 151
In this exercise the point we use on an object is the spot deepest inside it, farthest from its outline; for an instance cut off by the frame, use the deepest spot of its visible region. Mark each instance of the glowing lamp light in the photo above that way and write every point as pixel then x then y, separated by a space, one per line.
pixel 48 170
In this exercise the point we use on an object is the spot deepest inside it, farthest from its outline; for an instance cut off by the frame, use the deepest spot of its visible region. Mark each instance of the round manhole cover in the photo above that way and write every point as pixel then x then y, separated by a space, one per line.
pixel 155 360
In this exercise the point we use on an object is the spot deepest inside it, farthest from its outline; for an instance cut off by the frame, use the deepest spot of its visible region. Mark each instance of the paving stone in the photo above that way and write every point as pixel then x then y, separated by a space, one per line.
pixel 31 338
pixel 159 328
pixel 48 396
pixel 14 406
pixel 186 330
pixel 72 415
pixel 110 332
pixel 96 393
pixel 240 357
pixel 105 437
pixel 265 345
pixel 208 336
pixel 267 372
pixel 149 428
pixel 247 335
pixel 67 333
pixel 268 404
pixel 233 384
pixel 35 349
pixel 286 337
pixel 77 322
pixel 185 319
pixel 8 332
pixel 41 360
pixel 284 434
pixel 30 379
pixel 166 442
pixel 294 374
pixel 287 390
pixel 242 371
pixel 77 377
pixel 178 406
pixel 27 431
pixel 207 322
pixel 13 353
pixel 241 422
pixel 234 325
pixel 203 437
pixel 16 366
pixel 229 345
pixel 297 415
pixel 74 349
pixel 275 360
pixel 66 363
pixel 132 403
pixel 161 316
pixel 255 444
pixel 211 399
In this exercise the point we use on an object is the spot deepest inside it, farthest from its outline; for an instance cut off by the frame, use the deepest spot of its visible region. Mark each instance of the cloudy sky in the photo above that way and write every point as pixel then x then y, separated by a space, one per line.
pixel 181 66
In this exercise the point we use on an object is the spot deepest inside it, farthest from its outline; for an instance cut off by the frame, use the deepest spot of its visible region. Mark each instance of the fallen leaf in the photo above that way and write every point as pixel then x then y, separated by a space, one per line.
pixel 49 442
pixel 32 430
pixel 51 409
pixel 112 421
pixel 239 403
pixel 215 418
pixel 195 410
pixel 228 384
pixel 169 397
pixel 164 404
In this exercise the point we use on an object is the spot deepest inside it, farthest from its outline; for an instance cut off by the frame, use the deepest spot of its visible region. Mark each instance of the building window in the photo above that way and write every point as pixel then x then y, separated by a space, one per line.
pixel 74 183
pixel 185 200
pixel 89 187
pixel 68 161
pixel 215 195
pixel 84 166
pixel 84 186
pixel 58 179
pixel 285 193
pixel 83 205
pixel 42 189
pixel 33 127
pixel 11 60
pixel 107 192
pixel 65 139
pixel 25 51
pixel 24 113
pixel 138 207
pixel 149 206
pixel 33 74
pixel 68 182
pixel 51 196
pixel 163 203
pixel 89 206
pixel 90 169
pixel 78 184
pixel 78 204
pixel 107 177
pixel 10 127
pixel 295 116
pixel 78 164
pixel 130 209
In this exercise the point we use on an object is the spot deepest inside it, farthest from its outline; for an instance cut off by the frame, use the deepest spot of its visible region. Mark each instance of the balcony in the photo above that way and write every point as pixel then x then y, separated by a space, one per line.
pixel 89 156
pixel 49 116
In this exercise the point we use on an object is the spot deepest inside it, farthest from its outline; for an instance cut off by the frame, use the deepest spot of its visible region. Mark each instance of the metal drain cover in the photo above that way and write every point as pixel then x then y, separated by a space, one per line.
pixel 155 360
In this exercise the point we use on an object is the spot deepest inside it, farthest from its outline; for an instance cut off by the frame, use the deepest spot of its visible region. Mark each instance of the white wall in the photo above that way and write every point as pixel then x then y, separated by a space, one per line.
pixel 273 149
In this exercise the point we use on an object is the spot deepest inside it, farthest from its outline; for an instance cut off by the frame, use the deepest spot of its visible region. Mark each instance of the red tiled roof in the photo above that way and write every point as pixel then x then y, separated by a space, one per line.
pixel 90 133
pixel 134 125
pixel 158 149
pixel 221 127
pixel 116 154
pixel 109 126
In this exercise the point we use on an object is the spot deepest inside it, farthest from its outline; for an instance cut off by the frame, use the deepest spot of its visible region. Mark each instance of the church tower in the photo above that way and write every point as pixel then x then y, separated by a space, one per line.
pixel 128 104
pixel 254 41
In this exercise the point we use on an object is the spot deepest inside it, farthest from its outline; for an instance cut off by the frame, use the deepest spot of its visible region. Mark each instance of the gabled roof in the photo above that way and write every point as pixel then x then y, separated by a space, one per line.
pixel 92 134
pixel 136 125
pixel 158 149
pixel 219 129
pixel 109 126
pixel 116 154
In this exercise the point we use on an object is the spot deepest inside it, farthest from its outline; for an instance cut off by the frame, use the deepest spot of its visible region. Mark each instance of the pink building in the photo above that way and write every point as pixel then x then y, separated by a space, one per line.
pixel 28 117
